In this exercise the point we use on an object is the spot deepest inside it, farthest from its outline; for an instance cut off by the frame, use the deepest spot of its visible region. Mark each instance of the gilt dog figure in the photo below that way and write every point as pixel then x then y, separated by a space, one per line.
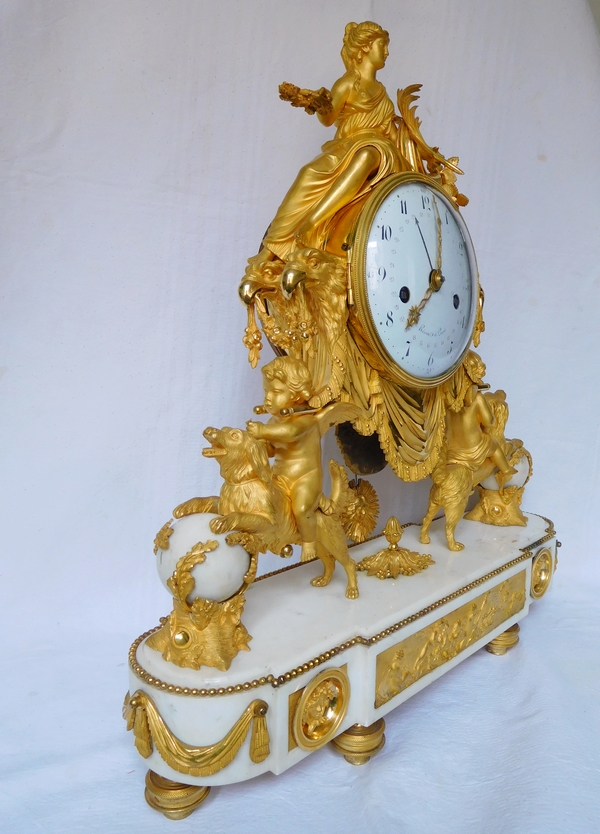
pixel 251 501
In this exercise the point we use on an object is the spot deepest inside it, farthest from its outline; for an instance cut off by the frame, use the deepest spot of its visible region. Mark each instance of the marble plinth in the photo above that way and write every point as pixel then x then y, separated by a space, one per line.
pixel 378 650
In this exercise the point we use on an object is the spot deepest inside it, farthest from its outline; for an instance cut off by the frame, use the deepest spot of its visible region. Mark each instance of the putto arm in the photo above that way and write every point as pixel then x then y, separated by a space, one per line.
pixel 282 431
pixel 485 413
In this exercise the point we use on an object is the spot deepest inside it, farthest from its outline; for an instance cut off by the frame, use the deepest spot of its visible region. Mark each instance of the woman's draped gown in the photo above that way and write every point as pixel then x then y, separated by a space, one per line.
pixel 365 123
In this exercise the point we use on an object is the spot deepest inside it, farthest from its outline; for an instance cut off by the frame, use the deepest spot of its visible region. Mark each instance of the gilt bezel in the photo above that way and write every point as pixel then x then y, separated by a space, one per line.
pixel 362 308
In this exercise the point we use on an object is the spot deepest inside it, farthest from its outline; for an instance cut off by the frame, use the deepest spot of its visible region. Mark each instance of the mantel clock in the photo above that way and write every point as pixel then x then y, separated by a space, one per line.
pixel 366 287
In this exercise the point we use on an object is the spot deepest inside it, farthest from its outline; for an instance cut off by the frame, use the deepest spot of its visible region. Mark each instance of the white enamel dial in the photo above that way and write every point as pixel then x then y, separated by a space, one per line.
pixel 419 256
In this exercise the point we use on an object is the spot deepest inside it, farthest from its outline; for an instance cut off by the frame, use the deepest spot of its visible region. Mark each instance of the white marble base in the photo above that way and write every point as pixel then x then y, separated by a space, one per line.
pixel 293 623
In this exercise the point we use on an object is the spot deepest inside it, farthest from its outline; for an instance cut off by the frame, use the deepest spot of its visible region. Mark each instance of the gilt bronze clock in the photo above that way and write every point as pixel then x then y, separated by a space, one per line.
pixel 366 287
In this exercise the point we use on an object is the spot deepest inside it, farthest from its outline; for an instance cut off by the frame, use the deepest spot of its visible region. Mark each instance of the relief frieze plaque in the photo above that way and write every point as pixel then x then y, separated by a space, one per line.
pixel 411 659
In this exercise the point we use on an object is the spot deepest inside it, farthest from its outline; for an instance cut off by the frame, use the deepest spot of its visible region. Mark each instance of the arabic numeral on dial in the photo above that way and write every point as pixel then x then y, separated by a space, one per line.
pixel 386 232
pixel 430 361
pixel 425 201
pixel 390 319
pixel 381 272
pixel 403 208
pixel 463 322
pixel 407 350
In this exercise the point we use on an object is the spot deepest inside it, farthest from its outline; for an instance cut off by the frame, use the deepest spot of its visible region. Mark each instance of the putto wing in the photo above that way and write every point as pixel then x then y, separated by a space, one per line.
pixel 336 413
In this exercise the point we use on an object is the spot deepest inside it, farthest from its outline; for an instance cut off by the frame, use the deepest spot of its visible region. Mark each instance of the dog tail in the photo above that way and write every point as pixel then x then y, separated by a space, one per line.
pixel 341 494
pixel 197 505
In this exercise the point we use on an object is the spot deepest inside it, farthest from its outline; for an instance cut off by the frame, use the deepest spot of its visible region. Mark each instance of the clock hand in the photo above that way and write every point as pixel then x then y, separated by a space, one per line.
pixel 424 244
pixel 414 314
pixel 438 219
pixel 436 279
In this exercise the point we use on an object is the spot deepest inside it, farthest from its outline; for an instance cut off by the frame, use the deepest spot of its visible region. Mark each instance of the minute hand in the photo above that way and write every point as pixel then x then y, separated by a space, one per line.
pixel 424 244
pixel 436 279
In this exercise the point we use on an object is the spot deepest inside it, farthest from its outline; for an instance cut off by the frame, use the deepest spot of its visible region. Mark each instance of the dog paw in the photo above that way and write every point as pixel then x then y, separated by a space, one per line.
pixel 352 593
pixel 424 538
pixel 219 525
pixel 456 546
pixel 320 581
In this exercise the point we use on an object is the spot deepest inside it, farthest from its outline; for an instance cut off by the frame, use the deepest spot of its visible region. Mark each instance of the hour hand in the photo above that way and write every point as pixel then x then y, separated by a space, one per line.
pixel 436 279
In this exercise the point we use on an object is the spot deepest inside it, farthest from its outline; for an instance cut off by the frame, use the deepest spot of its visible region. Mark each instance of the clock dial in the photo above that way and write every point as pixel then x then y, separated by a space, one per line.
pixel 420 280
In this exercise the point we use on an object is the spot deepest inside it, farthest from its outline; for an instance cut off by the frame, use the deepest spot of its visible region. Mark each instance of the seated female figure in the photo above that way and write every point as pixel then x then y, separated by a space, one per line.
pixel 363 152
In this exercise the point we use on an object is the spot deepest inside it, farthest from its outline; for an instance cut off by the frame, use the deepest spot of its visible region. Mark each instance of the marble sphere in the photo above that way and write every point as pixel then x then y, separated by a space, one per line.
pixel 221 575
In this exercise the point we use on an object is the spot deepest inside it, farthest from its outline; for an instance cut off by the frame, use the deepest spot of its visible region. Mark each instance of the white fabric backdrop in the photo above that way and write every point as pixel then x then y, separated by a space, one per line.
pixel 144 151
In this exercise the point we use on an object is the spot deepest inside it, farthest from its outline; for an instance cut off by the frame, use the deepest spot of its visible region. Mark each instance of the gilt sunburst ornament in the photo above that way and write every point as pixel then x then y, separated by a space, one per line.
pixel 362 511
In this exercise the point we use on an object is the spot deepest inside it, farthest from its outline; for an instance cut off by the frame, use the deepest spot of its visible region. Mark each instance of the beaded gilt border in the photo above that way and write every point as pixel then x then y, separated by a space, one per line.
pixel 275 682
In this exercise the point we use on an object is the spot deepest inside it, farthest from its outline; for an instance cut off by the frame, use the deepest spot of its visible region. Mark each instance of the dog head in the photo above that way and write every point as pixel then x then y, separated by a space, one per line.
pixel 241 457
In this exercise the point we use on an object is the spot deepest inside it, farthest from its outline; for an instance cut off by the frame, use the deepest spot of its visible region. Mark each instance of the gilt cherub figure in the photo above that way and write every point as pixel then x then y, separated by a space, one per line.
pixel 293 437
pixel 469 439
pixel 470 454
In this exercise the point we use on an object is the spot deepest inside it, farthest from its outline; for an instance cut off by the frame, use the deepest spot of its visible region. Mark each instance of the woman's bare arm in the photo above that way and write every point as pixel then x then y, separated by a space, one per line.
pixel 339 96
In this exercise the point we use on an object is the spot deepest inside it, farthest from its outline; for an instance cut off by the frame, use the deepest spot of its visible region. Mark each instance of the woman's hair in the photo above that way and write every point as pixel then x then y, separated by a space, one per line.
pixel 356 37
pixel 292 372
